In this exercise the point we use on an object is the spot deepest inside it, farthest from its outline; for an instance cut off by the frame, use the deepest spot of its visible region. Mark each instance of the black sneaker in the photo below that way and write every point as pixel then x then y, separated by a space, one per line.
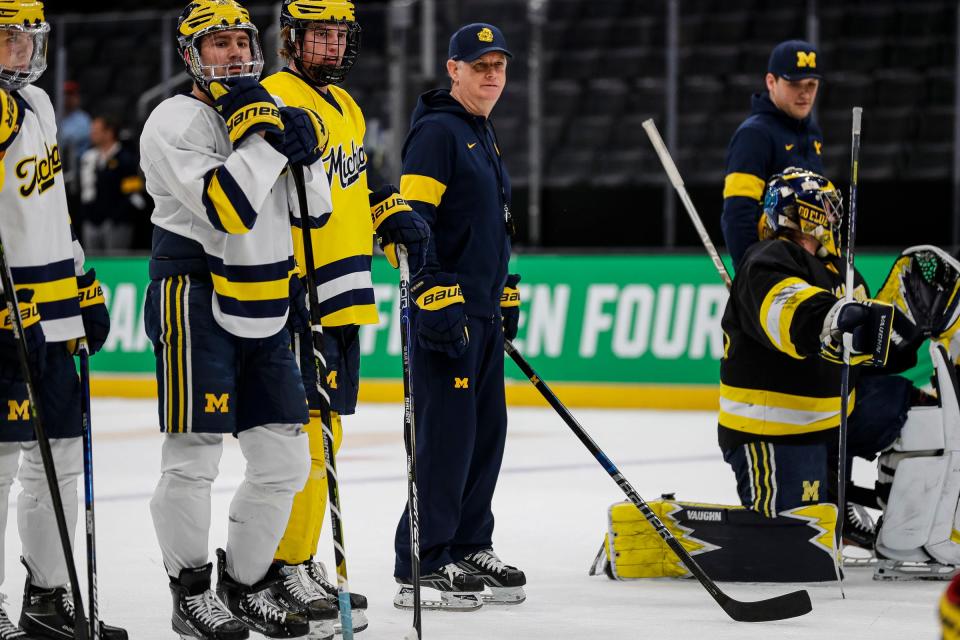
pixel 50 614
pixel 487 566
pixel 257 605
pixel 198 612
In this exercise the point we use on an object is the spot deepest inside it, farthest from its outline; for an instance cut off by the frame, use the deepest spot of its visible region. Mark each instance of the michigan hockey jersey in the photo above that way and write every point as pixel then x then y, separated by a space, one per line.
pixel 343 248
pixel 34 222
pixel 773 382
pixel 224 212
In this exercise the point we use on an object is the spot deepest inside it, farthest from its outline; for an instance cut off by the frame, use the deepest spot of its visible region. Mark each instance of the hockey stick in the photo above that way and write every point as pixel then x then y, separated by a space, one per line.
pixel 410 442
pixel 84 354
pixel 320 364
pixel 789 605
pixel 80 628
pixel 674 175
pixel 848 296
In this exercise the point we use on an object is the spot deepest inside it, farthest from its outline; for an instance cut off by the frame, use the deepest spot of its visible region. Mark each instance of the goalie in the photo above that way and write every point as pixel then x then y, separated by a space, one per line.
pixel 784 329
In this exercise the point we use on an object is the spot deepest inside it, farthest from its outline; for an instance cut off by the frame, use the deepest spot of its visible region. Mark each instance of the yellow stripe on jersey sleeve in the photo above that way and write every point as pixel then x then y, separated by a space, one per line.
pixel 53 291
pixel 743 184
pixel 778 309
pixel 421 188
pixel 356 314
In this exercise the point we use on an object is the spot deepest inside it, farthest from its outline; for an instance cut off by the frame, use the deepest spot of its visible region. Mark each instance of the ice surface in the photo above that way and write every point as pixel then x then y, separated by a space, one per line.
pixel 550 509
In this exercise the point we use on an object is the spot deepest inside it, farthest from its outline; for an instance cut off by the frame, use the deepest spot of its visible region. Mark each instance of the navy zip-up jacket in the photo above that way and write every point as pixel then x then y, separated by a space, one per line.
pixel 765 144
pixel 454 177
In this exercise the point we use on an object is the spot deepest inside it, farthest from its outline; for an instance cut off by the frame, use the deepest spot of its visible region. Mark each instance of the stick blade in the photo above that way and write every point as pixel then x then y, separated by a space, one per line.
pixel 789 605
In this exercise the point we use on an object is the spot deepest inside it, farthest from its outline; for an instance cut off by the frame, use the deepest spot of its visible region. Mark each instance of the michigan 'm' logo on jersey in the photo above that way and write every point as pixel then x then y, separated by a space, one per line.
pixel 38 173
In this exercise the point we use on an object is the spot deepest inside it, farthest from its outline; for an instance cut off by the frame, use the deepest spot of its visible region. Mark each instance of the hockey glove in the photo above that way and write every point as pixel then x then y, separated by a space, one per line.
pixel 93 309
pixel 865 327
pixel 36 344
pixel 510 307
pixel 247 108
pixel 305 137
pixel 10 118
pixel 299 313
pixel 441 323
pixel 395 223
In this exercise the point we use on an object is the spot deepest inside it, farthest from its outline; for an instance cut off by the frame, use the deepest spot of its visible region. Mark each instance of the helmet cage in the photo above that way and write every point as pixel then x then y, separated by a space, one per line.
pixel 189 44
pixel 12 78
pixel 324 73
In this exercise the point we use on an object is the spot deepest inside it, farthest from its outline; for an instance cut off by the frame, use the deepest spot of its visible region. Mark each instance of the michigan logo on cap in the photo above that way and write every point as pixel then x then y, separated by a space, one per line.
pixel 485 35
pixel 806 59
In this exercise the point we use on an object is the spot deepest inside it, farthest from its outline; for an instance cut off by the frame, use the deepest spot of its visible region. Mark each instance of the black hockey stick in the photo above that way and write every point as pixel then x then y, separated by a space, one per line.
pixel 320 365
pixel 789 605
pixel 84 355
pixel 410 442
pixel 848 296
pixel 80 628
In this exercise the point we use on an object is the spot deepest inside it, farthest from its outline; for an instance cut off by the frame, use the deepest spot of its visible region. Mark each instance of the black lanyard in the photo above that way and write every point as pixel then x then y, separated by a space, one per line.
pixel 498 171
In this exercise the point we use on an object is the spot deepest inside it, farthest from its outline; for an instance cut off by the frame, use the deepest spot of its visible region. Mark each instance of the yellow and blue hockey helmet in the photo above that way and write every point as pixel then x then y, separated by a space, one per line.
pixel 203 17
pixel 23 48
pixel 807 202
pixel 296 19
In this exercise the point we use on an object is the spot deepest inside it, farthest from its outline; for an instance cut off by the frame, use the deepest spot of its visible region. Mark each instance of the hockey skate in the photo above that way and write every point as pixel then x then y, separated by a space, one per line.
pixel 8 630
pixel 299 594
pixel 504 582
pixel 257 605
pixel 198 614
pixel 458 591
pixel 358 603
pixel 49 614
pixel 859 528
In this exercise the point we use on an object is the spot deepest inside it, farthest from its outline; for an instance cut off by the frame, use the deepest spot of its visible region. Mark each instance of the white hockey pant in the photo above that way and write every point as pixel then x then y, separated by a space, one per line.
pixel 36 520
pixel 921 520
pixel 278 462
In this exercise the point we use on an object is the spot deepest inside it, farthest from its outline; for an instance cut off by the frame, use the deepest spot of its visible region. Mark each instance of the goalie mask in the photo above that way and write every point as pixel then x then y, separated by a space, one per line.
pixel 23 43
pixel 806 202
pixel 202 18
pixel 322 37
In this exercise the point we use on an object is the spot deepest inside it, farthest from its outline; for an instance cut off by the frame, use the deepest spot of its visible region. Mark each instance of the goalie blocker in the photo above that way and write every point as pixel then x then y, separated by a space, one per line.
pixel 732 544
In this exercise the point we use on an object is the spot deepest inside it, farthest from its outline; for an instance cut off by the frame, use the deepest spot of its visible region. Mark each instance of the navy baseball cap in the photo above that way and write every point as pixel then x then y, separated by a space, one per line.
pixel 794 60
pixel 472 41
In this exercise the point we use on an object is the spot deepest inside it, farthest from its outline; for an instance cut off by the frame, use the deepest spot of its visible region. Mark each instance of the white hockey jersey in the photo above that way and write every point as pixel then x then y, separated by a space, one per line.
pixel 34 222
pixel 238 204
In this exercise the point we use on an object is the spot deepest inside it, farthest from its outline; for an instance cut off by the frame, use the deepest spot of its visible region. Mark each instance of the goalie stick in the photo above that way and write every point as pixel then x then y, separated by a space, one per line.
pixel 789 605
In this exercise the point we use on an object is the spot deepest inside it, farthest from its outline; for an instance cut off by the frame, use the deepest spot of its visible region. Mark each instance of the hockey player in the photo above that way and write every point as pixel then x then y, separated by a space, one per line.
pixel 60 303
pixel 466 304
pixel 215 164
pixel 780 373
pixel 320 39
pixel 779 133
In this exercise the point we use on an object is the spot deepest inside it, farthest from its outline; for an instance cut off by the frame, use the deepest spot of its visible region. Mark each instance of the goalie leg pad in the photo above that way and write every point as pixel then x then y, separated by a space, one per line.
pixel 730 543
pixel 919 479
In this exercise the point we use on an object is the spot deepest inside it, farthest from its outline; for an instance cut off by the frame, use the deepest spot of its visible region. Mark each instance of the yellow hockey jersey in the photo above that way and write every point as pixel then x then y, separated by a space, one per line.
pixel 343 248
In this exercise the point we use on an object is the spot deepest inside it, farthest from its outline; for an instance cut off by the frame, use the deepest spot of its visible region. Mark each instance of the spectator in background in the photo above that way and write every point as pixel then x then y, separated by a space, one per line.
pixel 779 133
pixel 111 190
pixel 73 137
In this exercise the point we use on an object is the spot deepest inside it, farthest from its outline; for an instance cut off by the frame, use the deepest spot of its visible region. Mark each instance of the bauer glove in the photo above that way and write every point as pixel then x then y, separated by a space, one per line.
pixel 865 327
pixel 10 370
pixel 305 137
pixel 395 223
pixel 299 313
pixel 441 322
pixel 93 310
pixel 247 108
pixel 510 307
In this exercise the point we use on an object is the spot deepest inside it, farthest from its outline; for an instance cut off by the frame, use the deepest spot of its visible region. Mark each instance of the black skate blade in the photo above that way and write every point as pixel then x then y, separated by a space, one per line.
pixel 789 605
